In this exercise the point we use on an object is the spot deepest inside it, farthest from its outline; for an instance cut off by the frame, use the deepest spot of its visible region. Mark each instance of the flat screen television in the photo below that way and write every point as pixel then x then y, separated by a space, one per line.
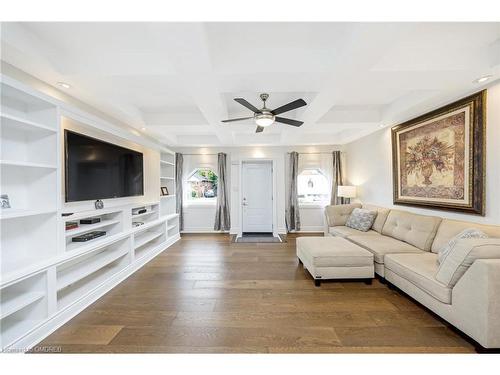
pixel 99 170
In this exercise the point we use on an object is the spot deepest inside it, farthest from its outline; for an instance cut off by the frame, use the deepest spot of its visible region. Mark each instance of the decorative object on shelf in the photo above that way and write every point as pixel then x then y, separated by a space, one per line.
pixel 138 211
pixel 66 214
pixel 438 159
pixel 88 236
pixel 71 225
pixel 99 204
pixel 164 190
pixel 92 220
pixel 4 199
pixel 347 192
pixel 137 223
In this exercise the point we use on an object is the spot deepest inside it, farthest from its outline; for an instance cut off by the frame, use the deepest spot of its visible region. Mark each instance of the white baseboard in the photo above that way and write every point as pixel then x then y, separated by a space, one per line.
pixel 202 230
pixel 40 332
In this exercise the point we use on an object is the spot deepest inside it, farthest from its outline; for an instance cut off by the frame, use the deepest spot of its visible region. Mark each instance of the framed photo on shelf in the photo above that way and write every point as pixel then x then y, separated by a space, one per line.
pixel 164 190
pixel 4 201
pixel 438 159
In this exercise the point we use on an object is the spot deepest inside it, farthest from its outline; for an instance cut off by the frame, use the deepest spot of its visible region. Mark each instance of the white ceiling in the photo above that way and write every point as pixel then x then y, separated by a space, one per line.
pixel 178 80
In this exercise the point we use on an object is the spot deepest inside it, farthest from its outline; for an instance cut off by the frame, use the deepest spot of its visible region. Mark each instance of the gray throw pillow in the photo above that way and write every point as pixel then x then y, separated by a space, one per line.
pixel 361 219
pixel 466 233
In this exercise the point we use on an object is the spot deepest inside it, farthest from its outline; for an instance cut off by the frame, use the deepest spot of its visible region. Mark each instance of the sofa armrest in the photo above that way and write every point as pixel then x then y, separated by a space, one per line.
pixel 476 302
pixel 338 214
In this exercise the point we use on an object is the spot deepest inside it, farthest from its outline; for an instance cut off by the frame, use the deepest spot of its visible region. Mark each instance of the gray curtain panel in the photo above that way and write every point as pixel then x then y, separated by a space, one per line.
pixel 292 214
pixel 337 179
pixel 178 188
pixel 222 215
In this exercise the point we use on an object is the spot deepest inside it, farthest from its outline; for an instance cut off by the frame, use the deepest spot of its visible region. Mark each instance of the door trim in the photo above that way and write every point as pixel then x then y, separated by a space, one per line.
pixel 273 166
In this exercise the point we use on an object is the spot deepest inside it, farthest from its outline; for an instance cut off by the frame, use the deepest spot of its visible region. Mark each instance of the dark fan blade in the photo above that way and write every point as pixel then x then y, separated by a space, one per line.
pixel 288 121
pixel 243 102
pixel 259 129
pixel 237 119
pixel 288 107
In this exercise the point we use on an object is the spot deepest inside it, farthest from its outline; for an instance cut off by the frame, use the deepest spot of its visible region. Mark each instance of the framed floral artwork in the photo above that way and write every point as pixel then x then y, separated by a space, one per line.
pixel 439 158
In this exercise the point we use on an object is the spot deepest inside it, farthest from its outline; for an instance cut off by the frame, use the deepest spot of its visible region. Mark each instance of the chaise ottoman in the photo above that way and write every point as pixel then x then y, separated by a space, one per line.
pixel 334 258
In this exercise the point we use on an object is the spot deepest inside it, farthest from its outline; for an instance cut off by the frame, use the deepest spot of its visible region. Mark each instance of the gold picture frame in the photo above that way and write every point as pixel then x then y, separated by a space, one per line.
pixel 438 159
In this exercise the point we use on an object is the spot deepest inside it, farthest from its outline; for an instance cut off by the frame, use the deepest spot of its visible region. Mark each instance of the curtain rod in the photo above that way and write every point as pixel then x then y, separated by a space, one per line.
pixel 198 154
pixel 316 153
pixel 300 153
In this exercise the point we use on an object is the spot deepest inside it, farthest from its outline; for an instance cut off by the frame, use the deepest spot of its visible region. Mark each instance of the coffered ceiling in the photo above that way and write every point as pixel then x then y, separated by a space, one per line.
pixel 178 80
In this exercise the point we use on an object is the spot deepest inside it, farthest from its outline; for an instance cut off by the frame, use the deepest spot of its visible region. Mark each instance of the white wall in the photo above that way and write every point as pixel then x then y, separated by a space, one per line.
pixel 369 167
pixel 200 217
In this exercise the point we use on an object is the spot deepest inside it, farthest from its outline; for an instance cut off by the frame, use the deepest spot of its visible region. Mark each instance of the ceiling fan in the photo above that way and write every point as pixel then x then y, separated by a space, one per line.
pixel 264 117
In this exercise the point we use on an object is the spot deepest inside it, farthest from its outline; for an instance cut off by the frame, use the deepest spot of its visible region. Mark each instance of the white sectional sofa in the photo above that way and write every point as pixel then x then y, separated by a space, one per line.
pixel 405 247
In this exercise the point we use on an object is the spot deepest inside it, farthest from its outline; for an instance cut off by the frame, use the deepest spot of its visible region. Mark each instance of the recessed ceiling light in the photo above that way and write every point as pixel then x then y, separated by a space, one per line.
pixel 64 85
pixel 482 79
pixel 381 126
pixel 143 128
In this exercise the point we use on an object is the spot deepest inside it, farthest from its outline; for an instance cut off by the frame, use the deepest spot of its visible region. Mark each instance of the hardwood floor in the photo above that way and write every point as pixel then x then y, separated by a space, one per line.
pixel 208 295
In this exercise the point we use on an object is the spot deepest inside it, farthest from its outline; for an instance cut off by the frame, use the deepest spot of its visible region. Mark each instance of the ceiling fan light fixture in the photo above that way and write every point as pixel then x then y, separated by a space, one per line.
pixel 264 119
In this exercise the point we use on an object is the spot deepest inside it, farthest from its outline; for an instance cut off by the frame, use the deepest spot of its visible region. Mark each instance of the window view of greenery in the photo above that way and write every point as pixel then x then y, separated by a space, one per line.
pixel 313 187
pixel 202 185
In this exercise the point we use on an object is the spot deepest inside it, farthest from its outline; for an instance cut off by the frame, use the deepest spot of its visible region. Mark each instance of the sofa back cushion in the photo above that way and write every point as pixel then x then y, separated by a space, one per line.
pixel 382 214
pixel 338 214
pixel 462 255
pixel 451 228
pixel 417 230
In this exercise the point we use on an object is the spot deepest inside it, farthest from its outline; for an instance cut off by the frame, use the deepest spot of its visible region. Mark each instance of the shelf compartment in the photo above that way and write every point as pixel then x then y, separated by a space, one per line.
pixel 143 214
pixel 84 228
pixel 20 250
pixel 13 163
pixel 22 124
pixel 20 106
pixel 85 285
pixel 145 249
pixel 14 303
pixel 80 268
pixel 29 189
pixel 111 222
pixel 151 214
pixel 145 238
pixel 23 306
pixel 172 216
pixel 12 213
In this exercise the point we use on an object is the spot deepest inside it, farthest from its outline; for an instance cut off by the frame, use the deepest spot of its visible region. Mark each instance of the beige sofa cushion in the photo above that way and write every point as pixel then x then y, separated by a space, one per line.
pixel 450 228
pixel 345 232
pixel 332 252
pixel 382 245
pixel 338 214
pixel 463 254
pixel 417 230
pixel 419 269
pixel 382 214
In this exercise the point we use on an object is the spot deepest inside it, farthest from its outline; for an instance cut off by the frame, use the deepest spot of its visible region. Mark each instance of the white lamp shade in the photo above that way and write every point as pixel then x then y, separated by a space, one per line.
pixel 346 191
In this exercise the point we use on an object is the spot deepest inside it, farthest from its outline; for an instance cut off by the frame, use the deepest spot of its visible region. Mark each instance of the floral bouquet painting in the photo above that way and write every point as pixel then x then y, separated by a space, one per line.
pixel 438 159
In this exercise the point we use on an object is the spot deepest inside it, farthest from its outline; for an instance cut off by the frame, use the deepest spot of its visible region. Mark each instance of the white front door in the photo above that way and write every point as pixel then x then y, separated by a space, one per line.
pixel 257 197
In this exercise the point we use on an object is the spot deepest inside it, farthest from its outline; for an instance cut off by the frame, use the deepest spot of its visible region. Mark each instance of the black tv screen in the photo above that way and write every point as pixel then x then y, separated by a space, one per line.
pixel 100 170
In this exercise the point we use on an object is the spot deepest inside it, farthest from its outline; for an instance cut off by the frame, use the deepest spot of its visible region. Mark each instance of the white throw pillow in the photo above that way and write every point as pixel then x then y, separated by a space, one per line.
pixel 466 233
pixel 361 219
pixel 463 254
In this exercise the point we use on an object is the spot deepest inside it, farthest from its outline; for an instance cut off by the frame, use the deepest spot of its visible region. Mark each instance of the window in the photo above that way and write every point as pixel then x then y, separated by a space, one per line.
pixel 313 187
pixel 202 185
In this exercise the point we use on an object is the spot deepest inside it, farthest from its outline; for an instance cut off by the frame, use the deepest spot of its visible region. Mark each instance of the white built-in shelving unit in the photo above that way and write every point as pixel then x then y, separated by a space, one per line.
pixel 168 202
pixel 46 277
